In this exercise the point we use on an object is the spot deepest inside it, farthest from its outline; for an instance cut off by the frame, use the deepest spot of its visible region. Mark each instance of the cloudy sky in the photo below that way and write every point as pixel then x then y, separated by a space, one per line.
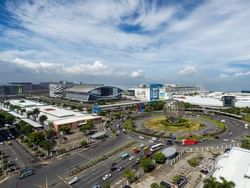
pixel 126 42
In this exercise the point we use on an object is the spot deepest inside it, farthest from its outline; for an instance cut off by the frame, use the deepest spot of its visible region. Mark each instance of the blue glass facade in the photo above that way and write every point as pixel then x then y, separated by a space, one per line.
pixel 155 91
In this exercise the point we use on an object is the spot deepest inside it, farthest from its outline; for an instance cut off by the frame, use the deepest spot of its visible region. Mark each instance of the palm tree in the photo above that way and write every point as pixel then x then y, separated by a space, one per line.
pixel 6 104
pixel 36 112
pixel 18 109
pixel 43 118
pixel 226 184
pixel 210 183
pixel 22 111
pixel 29 113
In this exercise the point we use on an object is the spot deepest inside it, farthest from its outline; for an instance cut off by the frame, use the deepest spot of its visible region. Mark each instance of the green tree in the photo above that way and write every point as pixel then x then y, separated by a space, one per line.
pixel 245 143
pixel 147 164
pixel 213 183
pixel 106 185
pixel 46 145
pixel 42 119
pixel 36 137
pixel 65 129
pixel 22 111
pixel 86 128
pixel 128 124
pixel 155 185
pixel 159 157
pixel 226 184
pixel 36 112
pixel 49 133
pixel 24 128
pixel 29 113
pixel 84 143
pixel 130 175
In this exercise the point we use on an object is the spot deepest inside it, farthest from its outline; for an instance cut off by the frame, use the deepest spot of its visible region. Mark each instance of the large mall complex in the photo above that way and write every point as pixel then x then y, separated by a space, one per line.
pixel 143 93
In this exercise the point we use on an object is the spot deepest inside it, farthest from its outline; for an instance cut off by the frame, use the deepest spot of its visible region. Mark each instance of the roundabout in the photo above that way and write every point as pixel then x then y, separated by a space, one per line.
pixel 161 123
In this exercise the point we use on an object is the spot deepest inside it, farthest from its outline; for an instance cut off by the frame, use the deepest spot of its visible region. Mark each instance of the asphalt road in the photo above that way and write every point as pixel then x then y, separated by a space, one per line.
pixel 63 166
pixel 94 175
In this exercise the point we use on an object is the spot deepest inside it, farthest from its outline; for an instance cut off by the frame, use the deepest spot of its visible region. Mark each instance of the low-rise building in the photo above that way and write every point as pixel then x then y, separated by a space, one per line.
pixel 234 166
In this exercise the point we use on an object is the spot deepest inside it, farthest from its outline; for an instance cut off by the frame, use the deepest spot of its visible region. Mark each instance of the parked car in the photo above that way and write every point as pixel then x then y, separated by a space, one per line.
pixel 164 184
pixel 182 181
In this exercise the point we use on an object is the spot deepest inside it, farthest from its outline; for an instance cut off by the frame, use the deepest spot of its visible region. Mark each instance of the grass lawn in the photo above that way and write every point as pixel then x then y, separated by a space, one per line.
pixel 246 117
pixel 160 123
pixel 214 121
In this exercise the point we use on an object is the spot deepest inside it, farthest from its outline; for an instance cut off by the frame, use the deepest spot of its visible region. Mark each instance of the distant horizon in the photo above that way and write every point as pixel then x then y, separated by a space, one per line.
pixel 125 86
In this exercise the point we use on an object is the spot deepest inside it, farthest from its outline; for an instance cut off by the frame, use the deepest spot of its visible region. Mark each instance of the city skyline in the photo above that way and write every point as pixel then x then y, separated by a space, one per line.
pixel 201 43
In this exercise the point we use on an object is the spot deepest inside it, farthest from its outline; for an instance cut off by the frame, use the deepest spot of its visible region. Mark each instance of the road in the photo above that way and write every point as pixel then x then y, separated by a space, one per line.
pixel 63 166
pixel 94 175
pixel 15 152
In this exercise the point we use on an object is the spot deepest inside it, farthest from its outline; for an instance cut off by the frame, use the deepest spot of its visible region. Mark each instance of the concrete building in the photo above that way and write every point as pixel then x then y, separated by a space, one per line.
pixel 27 86
pixel 217 99
pixel 182 90
pixel 234 166
pixel 11 91
pixel 93 92
pixel 58 90
pixel 153 92
pixel 33 89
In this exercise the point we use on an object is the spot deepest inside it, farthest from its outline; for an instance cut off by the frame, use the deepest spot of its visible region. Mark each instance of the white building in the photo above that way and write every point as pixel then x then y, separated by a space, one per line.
pixel 57 116
pixel 58 90
pixel 234 166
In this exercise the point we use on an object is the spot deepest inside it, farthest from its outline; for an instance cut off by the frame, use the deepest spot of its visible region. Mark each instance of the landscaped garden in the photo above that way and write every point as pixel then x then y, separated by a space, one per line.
pixel 160 123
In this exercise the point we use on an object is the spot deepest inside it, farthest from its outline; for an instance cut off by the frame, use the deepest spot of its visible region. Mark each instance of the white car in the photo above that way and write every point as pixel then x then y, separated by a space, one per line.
pixel 73 180
pixel 131 158
pixel 106 176
pixel 142 145
pixel 141 137
pixel 151 141
pixel 226 140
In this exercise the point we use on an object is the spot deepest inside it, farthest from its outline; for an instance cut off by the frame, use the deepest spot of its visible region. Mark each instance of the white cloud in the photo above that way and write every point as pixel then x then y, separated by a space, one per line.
pixel 237 74
pixel 137 74
pixel 96 68
pixel 214 34
pixel 188 70
pixel 223 75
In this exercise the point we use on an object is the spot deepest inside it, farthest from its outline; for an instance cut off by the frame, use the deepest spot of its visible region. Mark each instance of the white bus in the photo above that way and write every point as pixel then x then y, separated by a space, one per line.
pixel 156 147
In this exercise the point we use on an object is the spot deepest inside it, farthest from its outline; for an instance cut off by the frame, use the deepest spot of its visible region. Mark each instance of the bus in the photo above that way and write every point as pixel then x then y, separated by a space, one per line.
pixel 156 147
pixel 25 173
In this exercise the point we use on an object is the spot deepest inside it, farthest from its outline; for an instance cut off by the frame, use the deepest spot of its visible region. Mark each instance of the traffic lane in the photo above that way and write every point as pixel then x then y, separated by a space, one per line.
pixel 24 155
pixel 93 178
pixel 62 167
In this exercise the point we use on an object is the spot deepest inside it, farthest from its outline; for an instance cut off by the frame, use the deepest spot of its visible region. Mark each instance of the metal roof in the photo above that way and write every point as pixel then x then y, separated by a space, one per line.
pixel 84 88
pixel 234 166
pixel 169 152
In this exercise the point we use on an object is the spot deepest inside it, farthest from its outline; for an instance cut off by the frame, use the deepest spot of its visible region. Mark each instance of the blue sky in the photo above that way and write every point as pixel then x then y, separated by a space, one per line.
pixel 126 42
